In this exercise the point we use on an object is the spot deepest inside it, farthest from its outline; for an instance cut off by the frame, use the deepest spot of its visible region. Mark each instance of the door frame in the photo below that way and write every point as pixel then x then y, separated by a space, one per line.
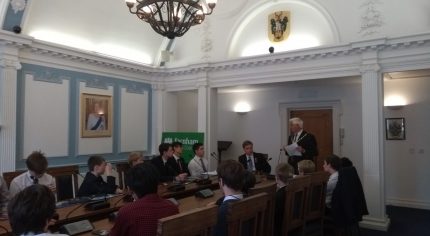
pixel 335 105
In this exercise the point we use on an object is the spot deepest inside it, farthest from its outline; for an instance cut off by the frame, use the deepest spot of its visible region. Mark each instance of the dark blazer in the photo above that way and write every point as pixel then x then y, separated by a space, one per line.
pixel 260 161
pixel 95 185
pixel 308 142
pixel 221 227
pixel 348 204
pixel 167 171
pixel 279 211
pixel 174 164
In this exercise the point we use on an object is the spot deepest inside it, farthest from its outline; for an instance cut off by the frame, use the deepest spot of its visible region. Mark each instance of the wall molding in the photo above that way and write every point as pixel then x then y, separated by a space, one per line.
pixel 411 203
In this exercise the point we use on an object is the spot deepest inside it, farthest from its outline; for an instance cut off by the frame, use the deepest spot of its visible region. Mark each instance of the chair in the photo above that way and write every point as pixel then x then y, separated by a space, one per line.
pixel 247 216
pixel 270 189
pixel 122 169
pixel 9 176
pixel 66 180
pixel 315 208
pixel 295 201
pixel 199 221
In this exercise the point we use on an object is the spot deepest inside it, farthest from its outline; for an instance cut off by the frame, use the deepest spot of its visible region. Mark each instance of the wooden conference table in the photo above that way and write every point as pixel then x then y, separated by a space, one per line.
pixel 99 218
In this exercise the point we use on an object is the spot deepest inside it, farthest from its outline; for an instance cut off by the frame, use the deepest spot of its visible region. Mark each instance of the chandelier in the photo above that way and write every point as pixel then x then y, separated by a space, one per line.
pixel 171 18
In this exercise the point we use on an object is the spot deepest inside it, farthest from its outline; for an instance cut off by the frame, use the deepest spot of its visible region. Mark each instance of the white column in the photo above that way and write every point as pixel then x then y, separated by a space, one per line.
pixel 373 147
pixel 9 65
pixel 207 120
pixel 158 93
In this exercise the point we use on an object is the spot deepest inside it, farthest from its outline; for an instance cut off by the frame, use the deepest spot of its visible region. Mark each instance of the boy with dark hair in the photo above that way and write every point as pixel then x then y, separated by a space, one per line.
pixel 37 165
pixel 177 162
pixel 199 164
pixel 93 183
pixel 31 210
pixel 331 165
pixel 141 216
pixel 231 180
pixel 165 169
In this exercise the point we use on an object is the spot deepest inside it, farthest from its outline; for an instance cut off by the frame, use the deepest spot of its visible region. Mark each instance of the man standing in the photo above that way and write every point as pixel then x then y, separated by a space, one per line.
pixel 306 144
pixel 198 165
pixel 253 161
pixel 166 170
pixel 177 162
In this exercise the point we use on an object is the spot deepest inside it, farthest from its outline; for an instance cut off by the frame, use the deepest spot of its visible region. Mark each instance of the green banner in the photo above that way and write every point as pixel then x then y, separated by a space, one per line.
pixel 187 139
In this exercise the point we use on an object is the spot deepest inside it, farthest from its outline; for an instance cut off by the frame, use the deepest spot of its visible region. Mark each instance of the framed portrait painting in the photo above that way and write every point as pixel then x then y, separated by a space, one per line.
pixel 96 115
pixel 395 128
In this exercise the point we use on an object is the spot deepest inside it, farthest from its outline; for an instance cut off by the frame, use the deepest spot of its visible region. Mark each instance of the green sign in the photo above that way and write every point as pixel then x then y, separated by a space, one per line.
pixel 186 138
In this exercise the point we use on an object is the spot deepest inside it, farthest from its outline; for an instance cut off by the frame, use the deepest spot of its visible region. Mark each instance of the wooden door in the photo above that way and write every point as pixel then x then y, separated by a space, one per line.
pixel 320 124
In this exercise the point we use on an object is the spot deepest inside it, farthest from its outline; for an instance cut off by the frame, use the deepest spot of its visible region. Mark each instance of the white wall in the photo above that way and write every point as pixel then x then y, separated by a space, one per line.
pixel 170 110
pixel 187 111
pixel 262 125
pixel 407 162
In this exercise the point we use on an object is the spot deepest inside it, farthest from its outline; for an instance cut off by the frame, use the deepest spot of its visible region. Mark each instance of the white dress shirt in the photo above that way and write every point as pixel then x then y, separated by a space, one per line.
pixel 24 180
pixel 331 185
pixel 195 166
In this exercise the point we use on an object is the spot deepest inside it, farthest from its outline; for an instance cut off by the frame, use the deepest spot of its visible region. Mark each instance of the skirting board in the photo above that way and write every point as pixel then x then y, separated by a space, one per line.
pixel 411 203
pixel 375 223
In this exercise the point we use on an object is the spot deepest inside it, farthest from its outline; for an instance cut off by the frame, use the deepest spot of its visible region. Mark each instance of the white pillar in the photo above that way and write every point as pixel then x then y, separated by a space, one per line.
pixel 373 147
pixel 9 64
pixel 207 120
pixel 158 93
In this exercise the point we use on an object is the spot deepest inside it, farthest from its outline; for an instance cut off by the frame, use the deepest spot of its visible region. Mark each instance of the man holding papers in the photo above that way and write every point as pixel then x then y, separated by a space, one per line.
pixel 301 144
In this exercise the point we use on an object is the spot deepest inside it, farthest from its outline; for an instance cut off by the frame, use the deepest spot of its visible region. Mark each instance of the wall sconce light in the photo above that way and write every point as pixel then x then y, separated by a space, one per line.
pixel 395 102
pixel 242 108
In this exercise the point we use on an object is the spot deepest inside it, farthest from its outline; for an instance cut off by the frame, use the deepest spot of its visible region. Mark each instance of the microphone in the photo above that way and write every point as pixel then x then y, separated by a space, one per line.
pixel 214 155
pixel 279 157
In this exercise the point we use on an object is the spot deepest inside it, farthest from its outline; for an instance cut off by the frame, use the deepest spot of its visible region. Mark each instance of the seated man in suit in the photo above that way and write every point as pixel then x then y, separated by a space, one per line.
pixel 93 183
pixel 199 164
pixel 306 144
pixel 231 179
pixel 165 169
pixel 4 198
pixel 177 162
pixel 283 173
pixel 37 165
pixel 141 216
pixel 31 210
pixel 253 161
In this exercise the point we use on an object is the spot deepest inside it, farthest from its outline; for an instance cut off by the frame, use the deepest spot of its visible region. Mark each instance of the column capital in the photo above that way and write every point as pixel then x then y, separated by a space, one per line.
pixel 158 86
pixel 10 63
pixel 374 67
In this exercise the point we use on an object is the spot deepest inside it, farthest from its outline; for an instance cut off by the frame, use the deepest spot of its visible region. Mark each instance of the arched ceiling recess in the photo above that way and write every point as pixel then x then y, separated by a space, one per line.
pixel 311 26
pixel 99 26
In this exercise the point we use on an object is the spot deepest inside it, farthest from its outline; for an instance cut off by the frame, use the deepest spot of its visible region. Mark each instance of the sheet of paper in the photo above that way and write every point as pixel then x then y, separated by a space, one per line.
pixel 292 150
pixel 211 173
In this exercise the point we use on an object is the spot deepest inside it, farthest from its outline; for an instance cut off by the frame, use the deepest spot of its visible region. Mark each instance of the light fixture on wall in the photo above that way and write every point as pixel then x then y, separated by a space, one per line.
pixel 242 108
pixel 394 102
pixel 171 18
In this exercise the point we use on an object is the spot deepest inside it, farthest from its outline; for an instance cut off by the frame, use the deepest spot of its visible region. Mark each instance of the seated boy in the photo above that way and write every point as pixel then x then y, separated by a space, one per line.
pixel 93 183
pixel 31 210
pixel 231 179
pixel 37 165
pixel 283 172
pixel 141 216
pixel 306 167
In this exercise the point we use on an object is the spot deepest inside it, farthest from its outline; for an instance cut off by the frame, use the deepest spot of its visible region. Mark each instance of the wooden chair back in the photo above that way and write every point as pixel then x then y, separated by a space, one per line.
pixel 315 208
pixel 246 217
pixel 270 189
pixel 295 203
pixel 122 169
pixel 200 221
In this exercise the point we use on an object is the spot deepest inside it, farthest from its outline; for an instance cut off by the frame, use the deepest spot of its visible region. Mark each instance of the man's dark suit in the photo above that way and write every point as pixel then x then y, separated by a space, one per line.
pixel 173 163
pixel 260 161
pixel 308 142
pixel 167 172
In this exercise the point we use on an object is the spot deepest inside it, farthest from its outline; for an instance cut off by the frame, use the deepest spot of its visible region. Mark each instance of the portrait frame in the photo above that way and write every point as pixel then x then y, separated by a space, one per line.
pixel 96 115
pixel 395 129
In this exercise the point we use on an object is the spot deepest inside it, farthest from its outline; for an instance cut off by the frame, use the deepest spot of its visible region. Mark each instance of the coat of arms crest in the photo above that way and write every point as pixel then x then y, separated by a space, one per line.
pixel 279 26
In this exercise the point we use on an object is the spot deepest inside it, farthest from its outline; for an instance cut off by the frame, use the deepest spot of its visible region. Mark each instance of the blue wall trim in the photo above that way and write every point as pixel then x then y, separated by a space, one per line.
pixel 12 19
pixel 55 75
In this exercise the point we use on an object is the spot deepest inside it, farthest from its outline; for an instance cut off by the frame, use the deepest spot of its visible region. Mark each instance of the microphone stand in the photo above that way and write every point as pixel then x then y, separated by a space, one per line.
pixel 279 157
